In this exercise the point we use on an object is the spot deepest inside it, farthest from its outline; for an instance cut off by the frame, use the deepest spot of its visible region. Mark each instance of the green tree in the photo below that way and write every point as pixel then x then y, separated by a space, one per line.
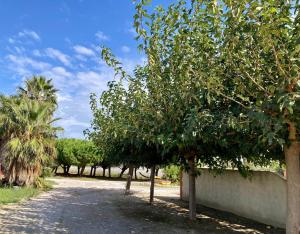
pixel 27 134
pixel 204 99
pixel 110 127
pixel 190 124
pixel 260 54
pixel 29 139
pixel 86 153
pixel 65 154
pixel 245 54
pixel 120 121
pixel 40 89
pixel 78 153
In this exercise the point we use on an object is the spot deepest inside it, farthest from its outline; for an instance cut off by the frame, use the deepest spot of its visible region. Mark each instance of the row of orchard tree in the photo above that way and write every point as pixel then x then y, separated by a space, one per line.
pixel 80 153
pixel 220 86
pixel 27 134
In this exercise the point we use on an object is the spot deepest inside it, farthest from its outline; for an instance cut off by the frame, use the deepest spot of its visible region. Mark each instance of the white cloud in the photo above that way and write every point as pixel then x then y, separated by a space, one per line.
pixel 29 33
pixel 125 49
pixel 83 50
pixel 56 54
pixel 26 67
pixel 130 64
pixel 89 75
pixel 19 50
pixel 101 36
pixel 36 53
pixel 60 71
pixel 91 81
pixel 75 83
pixel 61 78
pixel 63 97
pixel 71 121
pixel 11 40
pixel 81 58
pixel 24 62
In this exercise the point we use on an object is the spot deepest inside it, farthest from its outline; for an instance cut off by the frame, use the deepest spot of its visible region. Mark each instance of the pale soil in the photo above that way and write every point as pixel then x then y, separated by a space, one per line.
pixel 99 206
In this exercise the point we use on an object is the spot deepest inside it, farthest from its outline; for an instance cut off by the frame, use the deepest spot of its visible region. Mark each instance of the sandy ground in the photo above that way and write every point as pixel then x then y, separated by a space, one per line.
pixel 99 206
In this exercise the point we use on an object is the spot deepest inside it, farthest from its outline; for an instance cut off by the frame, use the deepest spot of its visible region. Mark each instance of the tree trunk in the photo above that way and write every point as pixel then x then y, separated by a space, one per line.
pixel 109 172
pixel 293 188
pixel 192 189
pixel 135 175
pixel 94 173
pixel 124 168
pixel 91 171
pixel 128 184
pixel 82 170
pixel 20 174
pixel 152 180
pixel 292 161
pixel 103 173
pixel 65 170
pixel 54 170
pixel 78 170
pixel 68 169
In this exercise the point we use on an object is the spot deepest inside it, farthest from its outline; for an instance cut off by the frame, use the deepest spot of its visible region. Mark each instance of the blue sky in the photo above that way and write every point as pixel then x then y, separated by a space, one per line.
pixel 60 40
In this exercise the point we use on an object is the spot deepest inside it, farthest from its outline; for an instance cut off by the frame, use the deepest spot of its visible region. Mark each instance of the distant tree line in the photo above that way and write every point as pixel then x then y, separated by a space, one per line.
pixel 82 153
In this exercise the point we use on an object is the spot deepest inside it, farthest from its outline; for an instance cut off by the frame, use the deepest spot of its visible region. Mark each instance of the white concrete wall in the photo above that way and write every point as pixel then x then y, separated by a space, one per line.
pixel 261 197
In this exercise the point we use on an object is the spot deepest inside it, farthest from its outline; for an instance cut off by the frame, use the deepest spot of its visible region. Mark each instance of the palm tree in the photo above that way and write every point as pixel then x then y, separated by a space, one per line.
pixel 28 137
pixel 40 89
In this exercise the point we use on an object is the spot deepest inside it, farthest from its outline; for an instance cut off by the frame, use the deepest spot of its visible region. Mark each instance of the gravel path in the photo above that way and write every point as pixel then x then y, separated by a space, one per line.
pixel 99 206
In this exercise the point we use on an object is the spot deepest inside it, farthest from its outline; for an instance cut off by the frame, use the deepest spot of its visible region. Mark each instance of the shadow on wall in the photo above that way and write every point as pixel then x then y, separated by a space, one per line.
pixel 261 197
pixel 223 221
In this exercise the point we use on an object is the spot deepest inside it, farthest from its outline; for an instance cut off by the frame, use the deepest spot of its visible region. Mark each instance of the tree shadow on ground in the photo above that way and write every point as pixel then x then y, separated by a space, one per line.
pixel 63 210
pixel 105 209
pixel 98 177
pixel 212 220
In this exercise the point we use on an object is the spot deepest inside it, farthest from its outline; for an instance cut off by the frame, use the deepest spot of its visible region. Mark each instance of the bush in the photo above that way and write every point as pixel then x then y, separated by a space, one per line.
pixel 47 172
pixel 43 184
pixel 172 173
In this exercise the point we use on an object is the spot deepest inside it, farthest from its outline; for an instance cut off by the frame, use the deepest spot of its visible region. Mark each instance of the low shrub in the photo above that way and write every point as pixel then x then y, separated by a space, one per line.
pixel 47 172
pixel 172 173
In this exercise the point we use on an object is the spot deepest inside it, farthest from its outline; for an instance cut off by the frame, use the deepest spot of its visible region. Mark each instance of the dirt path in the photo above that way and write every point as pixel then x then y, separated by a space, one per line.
pixel 99 206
